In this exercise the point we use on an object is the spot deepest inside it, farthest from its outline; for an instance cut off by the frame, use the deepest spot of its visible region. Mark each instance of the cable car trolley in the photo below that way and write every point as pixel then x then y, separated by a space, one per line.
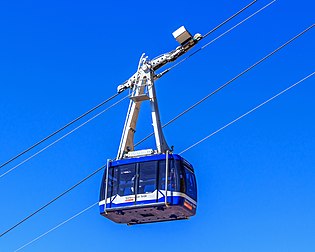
pixel 151 185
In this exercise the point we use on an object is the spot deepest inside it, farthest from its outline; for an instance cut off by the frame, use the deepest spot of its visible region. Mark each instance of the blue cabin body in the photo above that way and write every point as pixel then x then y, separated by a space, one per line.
pixel 133 190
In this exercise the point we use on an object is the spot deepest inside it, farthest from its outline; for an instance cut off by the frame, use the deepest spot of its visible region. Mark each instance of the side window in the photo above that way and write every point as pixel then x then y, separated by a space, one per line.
pixel 182 179
pixel 102 192
pixel 172 175
pixel 147 179
pixel 162 168
pixel 127 179
pixel 191 187
pixel 172 185
pixel 112 182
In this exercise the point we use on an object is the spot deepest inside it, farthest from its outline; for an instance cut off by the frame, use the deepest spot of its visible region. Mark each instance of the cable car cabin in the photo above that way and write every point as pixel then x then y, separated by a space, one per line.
pixel 133 190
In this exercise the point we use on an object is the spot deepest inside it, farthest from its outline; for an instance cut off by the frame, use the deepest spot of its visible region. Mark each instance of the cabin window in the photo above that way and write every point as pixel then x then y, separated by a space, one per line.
pixel 126 179
pixel 147 177
pixel 191 186
pixel 162 168
pixel 112 187
pixel 173 176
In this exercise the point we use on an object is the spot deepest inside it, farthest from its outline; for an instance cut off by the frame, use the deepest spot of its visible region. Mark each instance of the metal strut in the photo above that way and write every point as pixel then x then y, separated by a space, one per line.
pixel 143 89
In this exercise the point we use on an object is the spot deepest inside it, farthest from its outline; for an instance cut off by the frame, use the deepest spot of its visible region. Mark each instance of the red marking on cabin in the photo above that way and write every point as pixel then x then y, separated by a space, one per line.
pixel 187 205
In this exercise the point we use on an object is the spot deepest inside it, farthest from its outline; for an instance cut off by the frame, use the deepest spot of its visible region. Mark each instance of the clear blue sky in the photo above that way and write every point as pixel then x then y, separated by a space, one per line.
pixel 255 179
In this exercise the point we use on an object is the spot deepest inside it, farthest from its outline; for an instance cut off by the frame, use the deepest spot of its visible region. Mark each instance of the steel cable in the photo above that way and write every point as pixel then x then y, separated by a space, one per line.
pixel 188 148
pixel 59 225
pixel 102 103
pixel 191 107
pixel 62 137
pixel 237 76
pixel 101 112
pixel 258 62
pixel 228 19
pixel 247 113
pixel 229 82
pixel 52 201
pixel 59 130
pixel 215 39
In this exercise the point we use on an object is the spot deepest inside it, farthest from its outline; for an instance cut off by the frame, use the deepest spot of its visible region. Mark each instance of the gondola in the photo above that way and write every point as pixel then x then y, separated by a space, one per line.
pixel 133 190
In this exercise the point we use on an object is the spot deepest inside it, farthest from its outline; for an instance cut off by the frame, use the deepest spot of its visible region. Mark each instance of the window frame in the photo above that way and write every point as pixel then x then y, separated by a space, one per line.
pixel 188 170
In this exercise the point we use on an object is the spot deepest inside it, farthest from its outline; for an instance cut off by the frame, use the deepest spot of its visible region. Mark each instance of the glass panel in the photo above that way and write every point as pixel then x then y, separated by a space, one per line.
pixel 182 179
pixel 112 182
pixel 172 185
pixel 127 179
pixel 102 192
pixel 161 180
pixel 173 180
pixel 191 187
pixel 147 179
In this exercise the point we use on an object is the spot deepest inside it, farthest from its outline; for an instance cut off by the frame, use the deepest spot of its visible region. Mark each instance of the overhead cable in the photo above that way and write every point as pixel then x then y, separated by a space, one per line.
pixel 192 146
pixel 228 19
pixel 52 201
pixel 247 113
pixel 148 136
pixel 229 82
pixel 59 225
pixel 175 118
pixel 215 39
pixel 62 137
pixel 101 104
pixel 59 130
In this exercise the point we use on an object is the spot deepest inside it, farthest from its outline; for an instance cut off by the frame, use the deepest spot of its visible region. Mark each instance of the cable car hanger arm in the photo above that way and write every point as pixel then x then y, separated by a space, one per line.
pixel 143 89
pixel 187 42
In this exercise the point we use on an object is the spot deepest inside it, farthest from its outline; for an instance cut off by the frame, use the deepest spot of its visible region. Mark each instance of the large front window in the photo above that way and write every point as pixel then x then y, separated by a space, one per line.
pixel 141 178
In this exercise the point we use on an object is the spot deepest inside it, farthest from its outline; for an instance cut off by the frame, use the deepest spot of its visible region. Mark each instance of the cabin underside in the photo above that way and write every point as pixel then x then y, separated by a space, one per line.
pixel 148 214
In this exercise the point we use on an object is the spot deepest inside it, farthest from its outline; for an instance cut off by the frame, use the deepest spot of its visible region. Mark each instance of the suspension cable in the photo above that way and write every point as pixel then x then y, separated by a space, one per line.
pixel 62 137
pixel 59 225
pixel 193 145
pixel 258 62
pixel 59 130
pixel 101 104
pixel 125 97
pixel 52 201
pixel 228 19
pixel 247 113
pixel 213 30
pixel 300 34
pixel 215 39
pixel 230 81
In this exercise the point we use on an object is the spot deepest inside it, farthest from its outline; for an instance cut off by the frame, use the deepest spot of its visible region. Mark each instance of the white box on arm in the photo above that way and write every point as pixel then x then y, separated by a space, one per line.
pixel 182 35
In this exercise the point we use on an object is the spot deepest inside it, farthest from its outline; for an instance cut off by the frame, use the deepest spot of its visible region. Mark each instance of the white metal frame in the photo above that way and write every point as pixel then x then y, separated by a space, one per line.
pixel 142 90
pixel 142 86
